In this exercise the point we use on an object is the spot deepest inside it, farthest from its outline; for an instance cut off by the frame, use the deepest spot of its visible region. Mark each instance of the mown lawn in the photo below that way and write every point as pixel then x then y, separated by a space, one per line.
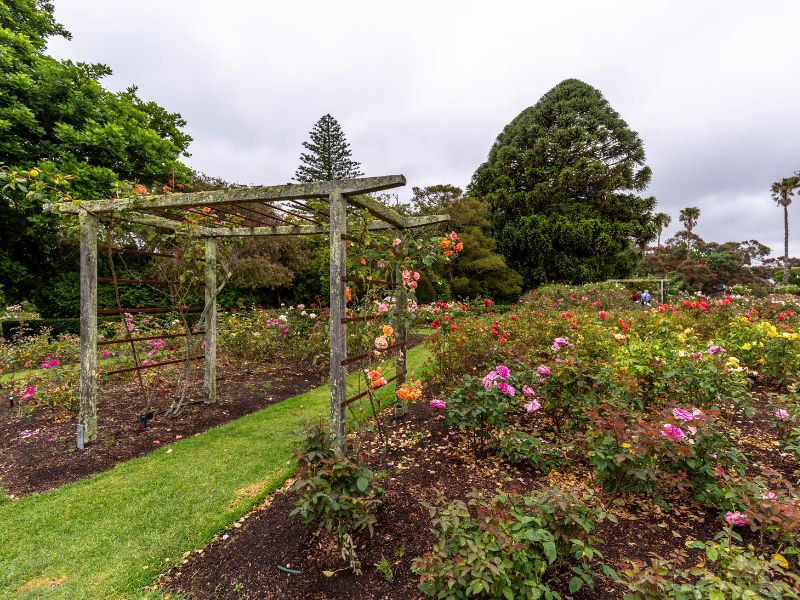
pixel 110 535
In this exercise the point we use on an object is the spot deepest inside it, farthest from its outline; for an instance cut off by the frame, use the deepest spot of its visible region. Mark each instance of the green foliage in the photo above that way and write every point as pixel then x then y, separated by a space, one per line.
pixel 563 181
pixel 337 490
pixel 708 266
pixel 732 571
pixel 478 409
pixel 328 156
pixel 503 551
pixel 478 271
pixel 794 276
pixel 531 450
pixel 56 118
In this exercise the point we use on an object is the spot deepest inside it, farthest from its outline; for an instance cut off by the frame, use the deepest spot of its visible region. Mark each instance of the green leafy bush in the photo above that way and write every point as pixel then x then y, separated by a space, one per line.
pixel 732 571
pixel 531 450
pixel 336 489
pixel 503 551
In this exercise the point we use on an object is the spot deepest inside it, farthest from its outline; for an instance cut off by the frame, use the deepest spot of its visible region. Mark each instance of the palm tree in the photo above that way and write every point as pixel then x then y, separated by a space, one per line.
pixel 689 217
pixel 661 221
pixel 782 192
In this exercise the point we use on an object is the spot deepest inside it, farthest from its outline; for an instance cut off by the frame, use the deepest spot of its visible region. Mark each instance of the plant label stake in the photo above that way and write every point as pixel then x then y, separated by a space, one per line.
pixel 80 436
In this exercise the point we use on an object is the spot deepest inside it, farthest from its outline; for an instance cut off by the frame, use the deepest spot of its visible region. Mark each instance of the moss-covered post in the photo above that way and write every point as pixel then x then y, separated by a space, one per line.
pixel 400 315
pixel 210 375
pixel 338 312
pixel 87 419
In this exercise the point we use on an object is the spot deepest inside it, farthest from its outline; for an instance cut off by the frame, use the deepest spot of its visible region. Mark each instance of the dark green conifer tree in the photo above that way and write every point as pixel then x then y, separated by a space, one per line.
pixel 564 180
pixel 328 156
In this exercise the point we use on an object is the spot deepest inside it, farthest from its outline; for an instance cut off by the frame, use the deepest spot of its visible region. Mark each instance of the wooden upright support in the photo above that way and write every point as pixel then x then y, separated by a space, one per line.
pixel 87 419
pixel 338 304
pixel 400 313
pixel 210 375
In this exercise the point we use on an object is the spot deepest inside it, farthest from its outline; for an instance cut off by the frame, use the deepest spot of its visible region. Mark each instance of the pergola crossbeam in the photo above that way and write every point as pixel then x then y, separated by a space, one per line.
pixel 300 191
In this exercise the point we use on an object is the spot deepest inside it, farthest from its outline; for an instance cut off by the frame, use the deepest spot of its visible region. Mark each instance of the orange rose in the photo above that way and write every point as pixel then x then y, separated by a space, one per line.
pixel 348 295
pixel 448 253
pixel 445 243
pixel 459 247
pixel 387 330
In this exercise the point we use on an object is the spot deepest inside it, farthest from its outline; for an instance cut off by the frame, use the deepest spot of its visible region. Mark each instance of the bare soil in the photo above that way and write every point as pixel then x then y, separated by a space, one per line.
pixel 49 458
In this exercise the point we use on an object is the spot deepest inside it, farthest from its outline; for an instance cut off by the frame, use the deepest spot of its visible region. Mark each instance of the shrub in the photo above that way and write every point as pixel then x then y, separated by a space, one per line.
pixel 480 406
pixel 337 490
pixel 737 572
pixel 513 546
pixel 502 552
pixel 530 450
pixel 681 448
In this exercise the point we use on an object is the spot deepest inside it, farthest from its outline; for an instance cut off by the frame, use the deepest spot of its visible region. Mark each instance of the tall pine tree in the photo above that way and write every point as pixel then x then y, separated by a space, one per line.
pixel 328 156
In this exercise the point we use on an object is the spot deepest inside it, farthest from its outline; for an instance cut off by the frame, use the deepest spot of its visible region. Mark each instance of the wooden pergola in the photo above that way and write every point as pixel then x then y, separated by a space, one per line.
pixel 241 212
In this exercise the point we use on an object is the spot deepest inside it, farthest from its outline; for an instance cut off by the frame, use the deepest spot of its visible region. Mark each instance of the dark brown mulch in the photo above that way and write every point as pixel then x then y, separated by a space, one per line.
pixel 424 458
pixel 50 459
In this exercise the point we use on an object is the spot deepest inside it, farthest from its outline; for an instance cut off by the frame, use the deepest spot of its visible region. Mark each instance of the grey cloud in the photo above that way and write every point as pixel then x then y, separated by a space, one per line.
pixel 423 88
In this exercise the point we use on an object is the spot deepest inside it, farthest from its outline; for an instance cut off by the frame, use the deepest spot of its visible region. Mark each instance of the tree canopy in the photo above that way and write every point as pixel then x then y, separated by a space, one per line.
pixel 478 270
pixel 329 156
pixel 564 180
pixel 57 118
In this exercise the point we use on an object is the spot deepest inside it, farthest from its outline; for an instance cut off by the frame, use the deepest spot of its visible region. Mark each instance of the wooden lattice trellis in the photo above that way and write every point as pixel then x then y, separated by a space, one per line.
pixel 241 212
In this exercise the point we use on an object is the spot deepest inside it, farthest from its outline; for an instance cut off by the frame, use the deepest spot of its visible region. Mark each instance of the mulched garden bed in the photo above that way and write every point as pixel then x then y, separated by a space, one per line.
pixel 38 453
pixel 423 459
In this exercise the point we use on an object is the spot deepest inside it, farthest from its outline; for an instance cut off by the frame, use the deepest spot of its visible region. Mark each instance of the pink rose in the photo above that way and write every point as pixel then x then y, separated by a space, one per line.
pixel 395 242
pixel 781 414
pixel 506 389
pixel 528 392
pixel 503 371
pixel 488 379
pixel 438 404
pixel 532 406
pixel 736 518
pixel 543 370
pixel 672 431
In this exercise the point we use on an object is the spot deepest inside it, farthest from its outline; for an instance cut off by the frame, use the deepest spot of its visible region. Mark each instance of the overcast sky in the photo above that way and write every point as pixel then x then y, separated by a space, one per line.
pixel 423 88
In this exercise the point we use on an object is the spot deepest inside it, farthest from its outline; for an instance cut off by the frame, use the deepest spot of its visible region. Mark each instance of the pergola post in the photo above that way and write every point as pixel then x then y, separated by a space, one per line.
pixel 87 419
pixel 338 310
pixel 210 353
pixel 400 308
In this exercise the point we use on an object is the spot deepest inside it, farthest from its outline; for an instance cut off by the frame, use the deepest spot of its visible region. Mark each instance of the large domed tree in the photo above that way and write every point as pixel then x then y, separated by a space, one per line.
pixel 564 180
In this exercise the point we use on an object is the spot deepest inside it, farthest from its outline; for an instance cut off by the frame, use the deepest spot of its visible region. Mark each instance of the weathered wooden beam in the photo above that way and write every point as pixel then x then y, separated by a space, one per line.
pixel 300 191
pixel 338 310
pixel 284 230
pixel 411 222
pixel 400 315
pixel 87 419
pixel 379 210
pixel 210 375
pixel 164 223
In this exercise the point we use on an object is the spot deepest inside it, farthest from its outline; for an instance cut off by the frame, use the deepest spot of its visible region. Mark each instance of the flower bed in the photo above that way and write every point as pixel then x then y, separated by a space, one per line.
pixel 663 440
